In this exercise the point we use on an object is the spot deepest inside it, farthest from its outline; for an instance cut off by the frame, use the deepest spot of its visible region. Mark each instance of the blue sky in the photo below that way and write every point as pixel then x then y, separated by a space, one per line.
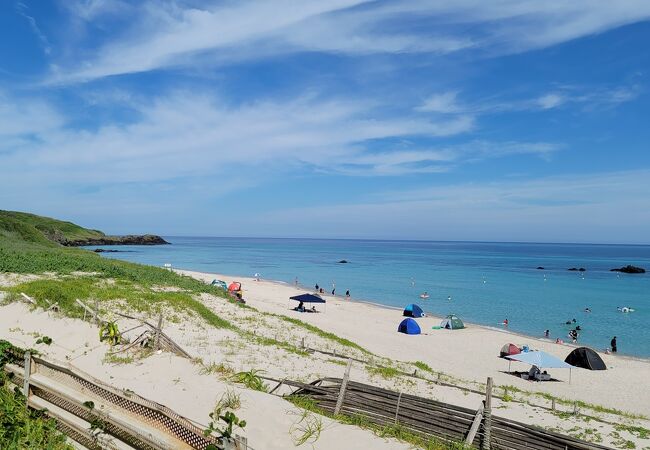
pixel 452 120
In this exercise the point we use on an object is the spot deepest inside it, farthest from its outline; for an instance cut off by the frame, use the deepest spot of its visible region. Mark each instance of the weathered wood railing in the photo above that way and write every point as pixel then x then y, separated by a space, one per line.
pixel 431 418
pixel 100 416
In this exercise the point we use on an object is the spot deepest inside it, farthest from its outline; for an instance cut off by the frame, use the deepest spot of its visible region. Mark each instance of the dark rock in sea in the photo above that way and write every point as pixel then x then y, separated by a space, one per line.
pixel 343 261
pixel 101 250
pixel 575 269
pixel 540 268
pixel 629 269
pixel 147 239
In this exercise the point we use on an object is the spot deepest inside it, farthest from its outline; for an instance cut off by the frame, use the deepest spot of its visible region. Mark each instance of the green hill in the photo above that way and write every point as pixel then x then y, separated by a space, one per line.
pixel 30 228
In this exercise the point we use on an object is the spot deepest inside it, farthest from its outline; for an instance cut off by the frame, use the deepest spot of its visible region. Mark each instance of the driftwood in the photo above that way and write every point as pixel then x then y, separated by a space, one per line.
pixel 28 298
pixel 433 419
pixel 157 336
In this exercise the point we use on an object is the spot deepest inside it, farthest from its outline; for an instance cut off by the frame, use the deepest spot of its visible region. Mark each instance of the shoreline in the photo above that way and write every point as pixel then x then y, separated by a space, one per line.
pixel 375 304
pixel 470 355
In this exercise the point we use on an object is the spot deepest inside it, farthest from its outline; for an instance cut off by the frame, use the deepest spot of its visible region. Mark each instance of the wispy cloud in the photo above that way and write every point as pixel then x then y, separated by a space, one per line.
pixel 568 208
pixel 21 9
pixel 587 98
pixel 168 34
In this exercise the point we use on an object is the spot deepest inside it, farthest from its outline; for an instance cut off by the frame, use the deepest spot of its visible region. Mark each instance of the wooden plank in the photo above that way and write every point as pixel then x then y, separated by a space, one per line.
pixel 344 384
pixel 156 344
pixel 487 415
pixel 28 373
pixel 474 428
pixel 28 298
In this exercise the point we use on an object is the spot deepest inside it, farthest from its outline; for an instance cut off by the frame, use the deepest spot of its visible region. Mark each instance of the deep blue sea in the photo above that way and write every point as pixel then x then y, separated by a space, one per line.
pixel 487 282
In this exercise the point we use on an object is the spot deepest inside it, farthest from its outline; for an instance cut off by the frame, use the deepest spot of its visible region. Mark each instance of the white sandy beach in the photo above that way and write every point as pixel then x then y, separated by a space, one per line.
pixel 470 353
pixel 466 356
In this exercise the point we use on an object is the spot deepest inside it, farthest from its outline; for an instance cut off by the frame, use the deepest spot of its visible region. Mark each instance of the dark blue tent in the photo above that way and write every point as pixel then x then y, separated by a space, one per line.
pixel 308 298
pixel 409 326
pixel 413 310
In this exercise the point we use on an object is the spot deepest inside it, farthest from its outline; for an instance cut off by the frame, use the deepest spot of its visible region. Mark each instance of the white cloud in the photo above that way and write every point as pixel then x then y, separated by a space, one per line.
pixel 188 134
pixel 587 98
pixel 170 34
pixel 21 9
pixel 549 101
pixel 444 102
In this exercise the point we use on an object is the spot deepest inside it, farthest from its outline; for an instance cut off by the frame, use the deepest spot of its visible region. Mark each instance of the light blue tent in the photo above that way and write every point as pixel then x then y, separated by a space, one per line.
pixel 542 360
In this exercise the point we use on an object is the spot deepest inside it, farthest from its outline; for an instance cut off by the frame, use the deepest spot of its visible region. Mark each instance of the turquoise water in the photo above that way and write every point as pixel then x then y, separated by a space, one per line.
pixel 487 282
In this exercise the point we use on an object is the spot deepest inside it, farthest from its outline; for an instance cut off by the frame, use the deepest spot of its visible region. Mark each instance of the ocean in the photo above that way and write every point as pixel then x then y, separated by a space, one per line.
pixel 482 283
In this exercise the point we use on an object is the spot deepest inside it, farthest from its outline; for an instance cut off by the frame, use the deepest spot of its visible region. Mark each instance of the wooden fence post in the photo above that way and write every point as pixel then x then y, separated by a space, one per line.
pixel 475 425
pixel 156 343
pixel 302 343
pixel 487 416
pixel 553 404
pixel 28 373
pixel 399 400
pixel 344 385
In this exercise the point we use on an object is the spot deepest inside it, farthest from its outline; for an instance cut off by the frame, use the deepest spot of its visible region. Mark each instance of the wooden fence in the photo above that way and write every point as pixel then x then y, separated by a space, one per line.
pixel 431 418
pixel 99 416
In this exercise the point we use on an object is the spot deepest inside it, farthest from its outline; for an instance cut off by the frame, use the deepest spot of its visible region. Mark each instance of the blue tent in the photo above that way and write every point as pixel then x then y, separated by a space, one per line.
pixel 413 310
pixel 409 326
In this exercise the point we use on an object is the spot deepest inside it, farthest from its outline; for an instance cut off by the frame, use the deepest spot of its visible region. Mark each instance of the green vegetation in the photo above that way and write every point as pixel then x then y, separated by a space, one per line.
pixel 213 368
pixel 307 429
pixel 109 332
pixel 423 366
pixel 21 427
pixel 384 372
pixel 324 334
pixel 138 296
pixel 34 228
pixel 251 380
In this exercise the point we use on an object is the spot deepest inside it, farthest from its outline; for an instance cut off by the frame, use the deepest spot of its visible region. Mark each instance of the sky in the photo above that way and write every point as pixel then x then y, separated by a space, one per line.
pixel 508 120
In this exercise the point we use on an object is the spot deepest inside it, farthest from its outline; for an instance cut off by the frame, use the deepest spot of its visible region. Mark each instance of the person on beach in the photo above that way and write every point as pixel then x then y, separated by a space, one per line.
pixel 547 334
pixel 347 294
pixel 333 290
pixel 257 276
pixel 317 288
pixel 322 291
pixel 613 344
pixel 505 323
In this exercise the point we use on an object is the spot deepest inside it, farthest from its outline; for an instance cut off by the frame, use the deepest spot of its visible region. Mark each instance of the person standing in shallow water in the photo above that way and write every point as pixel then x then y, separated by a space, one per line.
pixel 613 344
pixel 347 294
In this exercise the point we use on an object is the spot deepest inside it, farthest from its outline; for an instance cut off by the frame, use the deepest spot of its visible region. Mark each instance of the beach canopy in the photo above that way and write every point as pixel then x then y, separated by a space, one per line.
pixel 219 283
pixel 409 326
pixel 413 310
pixel 540 359
pixel 452 322
pixel 586 358
pixel 509 349
pixel 234 286
pixel 308 298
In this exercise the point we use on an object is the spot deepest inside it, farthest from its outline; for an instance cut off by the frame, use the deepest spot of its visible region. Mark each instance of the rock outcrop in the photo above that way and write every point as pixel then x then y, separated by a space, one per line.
pixel 575 269
pixel 629 269
pixel 147 239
